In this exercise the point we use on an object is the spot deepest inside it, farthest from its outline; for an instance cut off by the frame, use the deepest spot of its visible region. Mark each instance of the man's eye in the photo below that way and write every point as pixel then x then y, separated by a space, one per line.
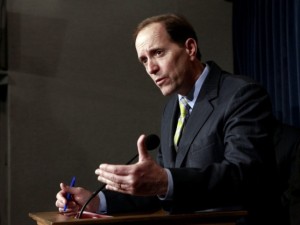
pixel 159 52
pixel 144 60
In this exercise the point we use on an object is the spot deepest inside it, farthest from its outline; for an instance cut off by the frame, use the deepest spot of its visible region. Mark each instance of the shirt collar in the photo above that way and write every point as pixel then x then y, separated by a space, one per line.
pixel 193 94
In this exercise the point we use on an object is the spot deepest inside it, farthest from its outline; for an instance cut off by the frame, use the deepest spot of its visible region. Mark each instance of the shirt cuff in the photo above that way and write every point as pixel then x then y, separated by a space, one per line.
pixel 102 206
pixel 170 191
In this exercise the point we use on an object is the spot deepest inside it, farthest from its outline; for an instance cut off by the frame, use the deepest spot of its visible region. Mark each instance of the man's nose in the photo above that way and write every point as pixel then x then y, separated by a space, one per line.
pixel 152 67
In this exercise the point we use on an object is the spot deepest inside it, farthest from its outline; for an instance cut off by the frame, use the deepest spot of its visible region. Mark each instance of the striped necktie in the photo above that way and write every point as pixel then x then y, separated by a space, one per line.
pixel 184 114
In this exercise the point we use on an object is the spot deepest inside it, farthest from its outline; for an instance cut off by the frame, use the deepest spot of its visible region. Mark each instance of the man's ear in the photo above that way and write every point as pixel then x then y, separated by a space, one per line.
pixel 191 47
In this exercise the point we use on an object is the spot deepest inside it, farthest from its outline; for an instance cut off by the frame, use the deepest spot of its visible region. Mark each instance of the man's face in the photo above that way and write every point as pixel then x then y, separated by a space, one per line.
pixel 167 63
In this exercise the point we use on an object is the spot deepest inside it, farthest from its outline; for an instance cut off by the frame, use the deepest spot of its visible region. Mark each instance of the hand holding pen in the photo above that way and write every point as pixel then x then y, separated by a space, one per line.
pixel 68 194
pixel 69 205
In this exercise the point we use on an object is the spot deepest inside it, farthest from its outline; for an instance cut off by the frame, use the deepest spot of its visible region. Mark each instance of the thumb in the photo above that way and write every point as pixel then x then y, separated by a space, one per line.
pixel 142 150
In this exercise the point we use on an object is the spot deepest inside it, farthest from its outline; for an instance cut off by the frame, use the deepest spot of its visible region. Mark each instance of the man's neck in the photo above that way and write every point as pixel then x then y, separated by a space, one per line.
pixel 197 71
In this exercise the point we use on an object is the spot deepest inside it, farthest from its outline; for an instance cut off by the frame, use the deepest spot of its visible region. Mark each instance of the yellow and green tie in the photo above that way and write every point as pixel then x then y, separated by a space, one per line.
pixel 184 113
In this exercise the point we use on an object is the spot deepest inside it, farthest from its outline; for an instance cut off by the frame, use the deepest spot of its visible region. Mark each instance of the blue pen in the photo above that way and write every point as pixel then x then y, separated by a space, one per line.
pixel 68 194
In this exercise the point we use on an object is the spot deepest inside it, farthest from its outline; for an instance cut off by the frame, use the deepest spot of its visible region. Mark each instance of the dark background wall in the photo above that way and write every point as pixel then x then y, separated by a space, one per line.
pixel 77 96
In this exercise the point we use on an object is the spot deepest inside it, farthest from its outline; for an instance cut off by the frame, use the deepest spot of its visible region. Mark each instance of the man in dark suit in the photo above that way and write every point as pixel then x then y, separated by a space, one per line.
pixel 216 150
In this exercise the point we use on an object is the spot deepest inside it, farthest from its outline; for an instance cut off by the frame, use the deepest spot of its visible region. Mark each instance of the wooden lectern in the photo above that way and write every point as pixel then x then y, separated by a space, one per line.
pixel 155 218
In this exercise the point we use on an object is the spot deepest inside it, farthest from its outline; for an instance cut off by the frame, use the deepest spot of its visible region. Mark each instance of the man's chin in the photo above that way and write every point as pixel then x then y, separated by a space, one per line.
pixel 166 92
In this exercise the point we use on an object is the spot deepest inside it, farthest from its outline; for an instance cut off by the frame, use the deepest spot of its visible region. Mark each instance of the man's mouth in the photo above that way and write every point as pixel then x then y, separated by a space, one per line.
pixel 160 81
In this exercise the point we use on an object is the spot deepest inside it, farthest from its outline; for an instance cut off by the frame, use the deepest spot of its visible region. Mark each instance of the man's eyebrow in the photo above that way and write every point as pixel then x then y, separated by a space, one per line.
pixel 150 51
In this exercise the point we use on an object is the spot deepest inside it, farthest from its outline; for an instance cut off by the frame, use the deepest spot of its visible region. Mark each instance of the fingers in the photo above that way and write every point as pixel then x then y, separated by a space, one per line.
pixel 123 188
pixel 72 208
pixel 115 169
pixel 113 175
pixel 61 200
pixel 60 196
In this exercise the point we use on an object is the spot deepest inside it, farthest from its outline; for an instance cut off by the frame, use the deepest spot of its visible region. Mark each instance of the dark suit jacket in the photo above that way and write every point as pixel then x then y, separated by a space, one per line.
pixel 225 157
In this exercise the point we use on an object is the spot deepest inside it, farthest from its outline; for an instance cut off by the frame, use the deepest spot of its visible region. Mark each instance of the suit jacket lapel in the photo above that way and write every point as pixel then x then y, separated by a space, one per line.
pixel 168 129
pixel 201 112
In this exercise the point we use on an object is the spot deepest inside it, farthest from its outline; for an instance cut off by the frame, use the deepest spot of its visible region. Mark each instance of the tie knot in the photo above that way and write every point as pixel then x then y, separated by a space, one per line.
pixel 184 106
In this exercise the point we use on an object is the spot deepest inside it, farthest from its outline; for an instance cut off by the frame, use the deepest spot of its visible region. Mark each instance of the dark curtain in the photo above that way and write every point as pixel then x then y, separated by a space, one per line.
pixel 266 42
